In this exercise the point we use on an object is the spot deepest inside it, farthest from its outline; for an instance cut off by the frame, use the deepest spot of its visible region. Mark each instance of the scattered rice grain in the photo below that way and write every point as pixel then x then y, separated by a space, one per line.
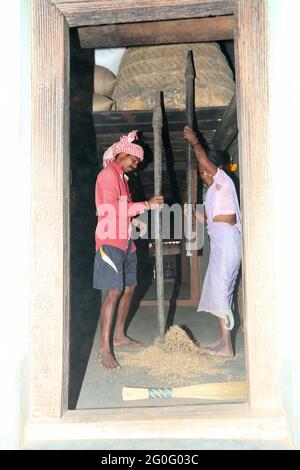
pixel 179 360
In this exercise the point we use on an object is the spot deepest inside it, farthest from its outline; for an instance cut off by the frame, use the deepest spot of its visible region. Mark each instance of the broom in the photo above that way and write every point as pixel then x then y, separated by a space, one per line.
pixel 211 391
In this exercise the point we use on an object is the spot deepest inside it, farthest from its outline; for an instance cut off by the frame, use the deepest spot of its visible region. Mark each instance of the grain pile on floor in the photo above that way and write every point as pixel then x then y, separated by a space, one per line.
pixel 178 360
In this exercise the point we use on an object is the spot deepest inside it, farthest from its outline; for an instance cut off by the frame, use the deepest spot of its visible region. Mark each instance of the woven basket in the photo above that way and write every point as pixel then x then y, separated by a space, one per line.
pixel 145 71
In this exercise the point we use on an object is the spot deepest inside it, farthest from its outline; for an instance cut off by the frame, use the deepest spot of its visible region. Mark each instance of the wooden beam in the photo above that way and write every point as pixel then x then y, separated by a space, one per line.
pixel 107 122
pixel 159 32
pixel 227 129
pixel 145 127
pixel 97 12
pixel 258 204
pixel 50 197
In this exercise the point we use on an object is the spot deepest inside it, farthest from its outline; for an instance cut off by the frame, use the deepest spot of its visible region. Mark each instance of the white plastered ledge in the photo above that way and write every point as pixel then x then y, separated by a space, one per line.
pixel 110 58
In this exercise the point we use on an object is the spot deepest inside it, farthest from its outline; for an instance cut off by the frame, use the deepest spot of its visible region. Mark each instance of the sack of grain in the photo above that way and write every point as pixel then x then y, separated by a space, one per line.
pixel 104 81
pixel 102 103
pixel 145 71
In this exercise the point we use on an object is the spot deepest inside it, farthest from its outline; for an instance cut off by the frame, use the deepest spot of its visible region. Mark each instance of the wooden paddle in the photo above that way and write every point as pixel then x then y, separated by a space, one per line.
pixel 190 94
pixel 236 391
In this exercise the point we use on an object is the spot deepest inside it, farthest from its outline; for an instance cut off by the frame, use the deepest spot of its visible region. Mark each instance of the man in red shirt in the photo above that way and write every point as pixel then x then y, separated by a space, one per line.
pixel 115 258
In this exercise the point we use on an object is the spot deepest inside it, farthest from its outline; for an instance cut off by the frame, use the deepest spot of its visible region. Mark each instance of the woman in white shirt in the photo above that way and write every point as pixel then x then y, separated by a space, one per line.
pixel 224 229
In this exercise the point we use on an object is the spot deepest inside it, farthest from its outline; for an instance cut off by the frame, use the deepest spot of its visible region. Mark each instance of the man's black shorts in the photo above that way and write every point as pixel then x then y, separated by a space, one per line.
pixel 114 268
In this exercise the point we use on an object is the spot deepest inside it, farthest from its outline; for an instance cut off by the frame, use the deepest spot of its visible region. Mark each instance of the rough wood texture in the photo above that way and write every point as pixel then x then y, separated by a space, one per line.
pixel 97 12
pixel 109 126
pixel 124 121
pixel 190 106
pixel 157 135
pixel 159 32
pixel 50 195
pixel 227 129
pixel 195 260
pixel 257 204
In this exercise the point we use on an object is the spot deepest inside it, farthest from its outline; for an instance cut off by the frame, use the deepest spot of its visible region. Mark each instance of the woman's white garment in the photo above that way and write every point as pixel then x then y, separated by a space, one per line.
pixel 225 249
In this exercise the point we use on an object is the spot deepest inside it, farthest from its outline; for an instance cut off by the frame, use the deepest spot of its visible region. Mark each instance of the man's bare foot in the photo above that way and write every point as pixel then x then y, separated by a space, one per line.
pixel 220 350
pixel 108 360
pixel 126 341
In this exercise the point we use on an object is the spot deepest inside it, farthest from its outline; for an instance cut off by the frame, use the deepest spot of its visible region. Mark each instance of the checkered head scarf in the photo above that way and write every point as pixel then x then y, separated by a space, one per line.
pixel 125 145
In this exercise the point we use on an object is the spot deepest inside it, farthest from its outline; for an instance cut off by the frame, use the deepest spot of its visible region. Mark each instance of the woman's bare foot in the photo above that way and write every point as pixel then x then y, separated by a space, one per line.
pixel 214 344
pixel 108 360
pixel 126 341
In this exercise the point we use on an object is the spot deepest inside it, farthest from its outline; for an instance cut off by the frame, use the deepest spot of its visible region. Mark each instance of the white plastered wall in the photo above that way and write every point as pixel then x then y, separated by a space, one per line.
pixel 15 215
pixel 284 132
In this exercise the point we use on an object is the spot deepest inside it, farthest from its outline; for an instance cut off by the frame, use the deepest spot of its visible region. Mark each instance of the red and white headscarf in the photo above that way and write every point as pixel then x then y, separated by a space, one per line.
pixel 125 145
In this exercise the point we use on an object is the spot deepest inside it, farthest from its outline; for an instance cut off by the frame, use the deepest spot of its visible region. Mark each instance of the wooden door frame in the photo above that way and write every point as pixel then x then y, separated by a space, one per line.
pixel 262 417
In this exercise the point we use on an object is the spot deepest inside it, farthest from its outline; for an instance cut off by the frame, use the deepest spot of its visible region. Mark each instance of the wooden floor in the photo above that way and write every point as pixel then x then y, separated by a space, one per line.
pixel 102 389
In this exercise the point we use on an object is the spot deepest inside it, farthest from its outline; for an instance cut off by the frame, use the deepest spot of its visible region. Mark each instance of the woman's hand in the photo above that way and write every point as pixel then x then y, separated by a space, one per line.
pixel 190 135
